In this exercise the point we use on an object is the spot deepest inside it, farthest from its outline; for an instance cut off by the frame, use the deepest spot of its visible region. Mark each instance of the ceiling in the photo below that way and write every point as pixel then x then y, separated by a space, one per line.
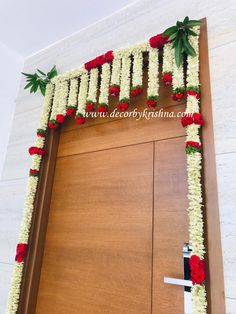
pixel 27 26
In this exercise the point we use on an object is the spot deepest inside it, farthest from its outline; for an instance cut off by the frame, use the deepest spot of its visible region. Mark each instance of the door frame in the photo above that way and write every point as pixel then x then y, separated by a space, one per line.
pixel 214 284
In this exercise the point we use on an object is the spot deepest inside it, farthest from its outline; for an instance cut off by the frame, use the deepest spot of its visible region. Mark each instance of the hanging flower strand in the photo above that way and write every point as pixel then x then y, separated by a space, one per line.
pixel 104 88
pixel 92 90
pixel 115 76
pixel 63 96
pixel 83 89
pixel 73 97
pixel 153 80
pixel 124 98
pixel 137 77
pixel 167 68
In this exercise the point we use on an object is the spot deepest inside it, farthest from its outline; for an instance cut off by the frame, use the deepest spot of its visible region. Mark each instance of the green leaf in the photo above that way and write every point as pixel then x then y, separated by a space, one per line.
pixel 41 72
pixel 178 53
pixel 186 20
pixel 188 48
pixel 169 31
pixel 28 85
pixel 193 23
pixel 29 75
pixel 190 32
pixel 172 37
pixel 179 24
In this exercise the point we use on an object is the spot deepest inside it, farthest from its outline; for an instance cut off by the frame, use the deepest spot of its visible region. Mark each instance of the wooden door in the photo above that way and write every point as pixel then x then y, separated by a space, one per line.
pixel 117 218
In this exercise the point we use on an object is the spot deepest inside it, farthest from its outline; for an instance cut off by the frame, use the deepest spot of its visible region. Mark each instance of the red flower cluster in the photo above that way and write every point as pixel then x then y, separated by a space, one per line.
pixel 80 120
pixel 103 108
pixel 34 172
pixel 178 96
pixel 123 106
pixel 99 61
pixel 70 111
pixel 41 133
pixel 21 250
pixel 136 91
pixel 193 144
pixel 114 90
pixel 33 150
pixel 193 93
pixel 60 118
pixel 167 78
pixel 52 124
pixel 158 41
pixel 197 270
pixel 151 103
pixel 196 118
pixel 90 106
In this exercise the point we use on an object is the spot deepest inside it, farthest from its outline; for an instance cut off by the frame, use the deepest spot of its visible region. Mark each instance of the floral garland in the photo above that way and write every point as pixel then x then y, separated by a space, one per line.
pixel 192 121
pixel 73 97
pixel 83 89
pixel 92 90
pixel 177 81
pixel 137 79
pixel 104 88
pixel 124 97
pixel 37 152
pixel 153 78
pixel 115 76
pixel 77 91
pixel 167 68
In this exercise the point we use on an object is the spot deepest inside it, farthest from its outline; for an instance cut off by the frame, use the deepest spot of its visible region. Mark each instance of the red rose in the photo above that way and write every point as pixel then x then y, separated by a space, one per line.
pixel 52 125
pixel 33 172
pixel 40 134
pixel 178 96
pixel 70 111
pixel 167 78
pixel 80 120
pixel 193 144
pixel 151 103
pixel 186 120
pixel 136 91
pixel 100 60
pixel 102 108
pixel 21 250
pixel 88 65
pixel 109 56
pixel 197 269
pixel 193 93
pixel 197 117
pixel 60 118
pixel 114 91
pixel 158 41
pixel 90 107
pixel 37 150
pixel 123 106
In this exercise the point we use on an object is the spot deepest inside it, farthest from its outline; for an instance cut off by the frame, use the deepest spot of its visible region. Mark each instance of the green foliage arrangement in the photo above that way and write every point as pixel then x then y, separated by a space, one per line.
pixel 39 80
pixel 179 34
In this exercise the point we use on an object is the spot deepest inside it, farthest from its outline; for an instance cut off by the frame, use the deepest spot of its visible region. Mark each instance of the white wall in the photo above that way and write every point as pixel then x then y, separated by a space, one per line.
pixel 136 23
pixel 11 64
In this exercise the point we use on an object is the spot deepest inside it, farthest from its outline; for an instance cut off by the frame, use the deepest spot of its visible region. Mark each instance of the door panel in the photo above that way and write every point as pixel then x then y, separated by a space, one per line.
pixel 170 224
pixel 98 250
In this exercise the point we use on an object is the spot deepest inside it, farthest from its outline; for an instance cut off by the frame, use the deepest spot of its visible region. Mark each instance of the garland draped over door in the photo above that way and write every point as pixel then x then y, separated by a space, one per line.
pixel 119 73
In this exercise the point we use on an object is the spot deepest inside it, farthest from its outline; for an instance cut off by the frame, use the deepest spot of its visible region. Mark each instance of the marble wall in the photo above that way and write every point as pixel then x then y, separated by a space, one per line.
pixel 133 24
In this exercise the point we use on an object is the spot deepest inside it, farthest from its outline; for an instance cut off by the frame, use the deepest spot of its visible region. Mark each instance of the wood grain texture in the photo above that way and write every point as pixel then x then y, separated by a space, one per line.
pixel 114 134
pixel 170 224
pixel 98 252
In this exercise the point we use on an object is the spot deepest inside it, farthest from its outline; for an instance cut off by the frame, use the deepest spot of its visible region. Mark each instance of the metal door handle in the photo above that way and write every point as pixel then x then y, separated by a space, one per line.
pixel 178 282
